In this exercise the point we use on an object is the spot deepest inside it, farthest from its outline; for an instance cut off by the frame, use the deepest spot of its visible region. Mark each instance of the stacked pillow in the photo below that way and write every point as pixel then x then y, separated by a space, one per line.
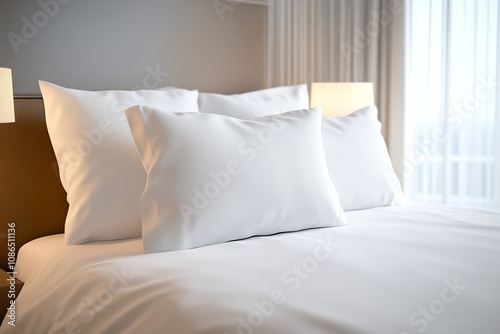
pixel 358 161
pixel 99 166
pixel 271 166
pixel 214 178
pixel 356 153
pixel 259 103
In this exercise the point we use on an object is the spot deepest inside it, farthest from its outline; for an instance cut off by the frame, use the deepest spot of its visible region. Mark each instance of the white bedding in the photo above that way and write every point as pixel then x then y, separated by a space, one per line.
pixel 418 269
pixel 35 252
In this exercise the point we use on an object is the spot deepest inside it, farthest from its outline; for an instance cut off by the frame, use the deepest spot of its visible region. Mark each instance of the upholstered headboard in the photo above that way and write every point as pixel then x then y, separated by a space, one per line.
pixel 31 194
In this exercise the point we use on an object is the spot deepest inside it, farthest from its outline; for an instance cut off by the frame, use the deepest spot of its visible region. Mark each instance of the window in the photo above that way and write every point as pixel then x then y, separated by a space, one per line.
pixel 453 103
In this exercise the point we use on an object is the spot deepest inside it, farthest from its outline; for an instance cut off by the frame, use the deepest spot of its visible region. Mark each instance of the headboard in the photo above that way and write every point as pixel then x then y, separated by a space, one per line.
pixel 31 194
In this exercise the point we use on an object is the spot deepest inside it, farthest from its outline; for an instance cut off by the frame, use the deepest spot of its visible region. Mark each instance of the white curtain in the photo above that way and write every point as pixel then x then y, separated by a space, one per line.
pixel 342 40
pixel 453 103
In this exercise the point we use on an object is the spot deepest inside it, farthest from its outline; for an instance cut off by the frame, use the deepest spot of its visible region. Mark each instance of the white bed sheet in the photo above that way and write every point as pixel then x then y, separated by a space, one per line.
pixel 419 269
pixel 37 251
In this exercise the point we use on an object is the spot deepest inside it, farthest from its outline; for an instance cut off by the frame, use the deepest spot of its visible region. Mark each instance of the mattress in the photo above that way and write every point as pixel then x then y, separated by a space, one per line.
pixel 391 270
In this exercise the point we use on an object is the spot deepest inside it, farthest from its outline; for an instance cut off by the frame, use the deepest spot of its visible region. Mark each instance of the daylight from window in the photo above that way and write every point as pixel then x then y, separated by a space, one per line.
pixel 453 114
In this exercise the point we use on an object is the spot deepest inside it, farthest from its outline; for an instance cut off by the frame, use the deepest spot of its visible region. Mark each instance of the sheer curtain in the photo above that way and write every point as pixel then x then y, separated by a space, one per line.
pixel 342 40
pixel 453 103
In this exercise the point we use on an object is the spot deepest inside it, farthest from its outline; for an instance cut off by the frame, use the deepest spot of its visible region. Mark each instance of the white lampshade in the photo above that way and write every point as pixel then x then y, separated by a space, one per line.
pixel 341 98
pixel 6 96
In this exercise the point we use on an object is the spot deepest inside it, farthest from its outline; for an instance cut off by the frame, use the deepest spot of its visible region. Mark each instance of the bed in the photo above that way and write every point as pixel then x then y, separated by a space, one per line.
pixel 371 263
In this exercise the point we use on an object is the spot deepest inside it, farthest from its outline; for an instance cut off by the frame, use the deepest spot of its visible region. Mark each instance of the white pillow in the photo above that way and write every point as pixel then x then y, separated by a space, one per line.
pixel 98 161
pixel 213 178
pixel 264 102
pixel 370 184
pixel 358 161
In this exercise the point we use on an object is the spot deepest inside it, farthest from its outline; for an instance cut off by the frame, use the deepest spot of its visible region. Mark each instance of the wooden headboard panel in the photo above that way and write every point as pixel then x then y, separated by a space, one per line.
pixel 31 194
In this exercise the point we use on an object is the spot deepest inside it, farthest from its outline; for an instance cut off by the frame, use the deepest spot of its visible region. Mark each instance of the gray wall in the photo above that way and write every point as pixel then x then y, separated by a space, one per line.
pixel 115 44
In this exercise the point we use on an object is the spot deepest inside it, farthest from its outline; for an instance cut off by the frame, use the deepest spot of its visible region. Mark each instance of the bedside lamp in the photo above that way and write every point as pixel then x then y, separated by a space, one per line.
pixel 341 98
pixel 6 96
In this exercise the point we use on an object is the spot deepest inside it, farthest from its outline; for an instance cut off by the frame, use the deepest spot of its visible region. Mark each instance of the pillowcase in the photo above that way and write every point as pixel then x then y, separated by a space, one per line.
pixel 213 178
pixel 358 161
pixel 264 102
pixel 98 161
pixel 357 156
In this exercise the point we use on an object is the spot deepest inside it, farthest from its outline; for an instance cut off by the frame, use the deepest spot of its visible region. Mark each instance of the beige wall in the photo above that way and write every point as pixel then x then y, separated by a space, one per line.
pixel 116 44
